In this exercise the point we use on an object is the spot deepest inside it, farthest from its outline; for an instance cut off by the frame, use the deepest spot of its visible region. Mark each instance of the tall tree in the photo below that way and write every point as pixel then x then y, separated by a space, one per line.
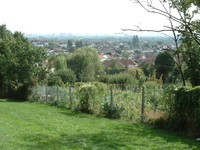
pixel 86 64
pixel 79 44
pixel 136 42
pixel 164 64
pixel 69 44
pixel 20 62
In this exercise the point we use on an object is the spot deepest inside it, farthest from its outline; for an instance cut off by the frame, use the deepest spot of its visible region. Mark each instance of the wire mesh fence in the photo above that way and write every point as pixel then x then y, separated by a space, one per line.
pixel 138 102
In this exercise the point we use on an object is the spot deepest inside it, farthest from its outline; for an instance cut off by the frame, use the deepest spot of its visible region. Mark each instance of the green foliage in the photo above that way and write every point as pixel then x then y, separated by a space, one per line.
pixel 154 78
pixel 59 62
pixel 136 42
pixel 191 56
pixel 137 52
pixel 184 110
pixel 116 65
pixel 168 98
pixel 53 45
pixel 112 110
pixel 69 44
pixel 121 78
pixel 67 75
pixel 148 69
pixel 21 92
pixel 112 71
pixel 154 96
pixel 20 62
pixel 164 64
pixel 126 54
pixel 88 93
pixel 79 44
pixel 86 64
pixel 54 80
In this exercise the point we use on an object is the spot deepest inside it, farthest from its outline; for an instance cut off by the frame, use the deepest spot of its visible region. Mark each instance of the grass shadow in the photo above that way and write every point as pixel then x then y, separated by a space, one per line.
pixel 104 140
pixel 79 114
pixel 11 100
pixel 153 133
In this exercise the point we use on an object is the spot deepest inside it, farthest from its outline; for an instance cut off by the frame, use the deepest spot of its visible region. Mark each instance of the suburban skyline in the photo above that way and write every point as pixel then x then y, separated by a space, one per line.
pixel 76 16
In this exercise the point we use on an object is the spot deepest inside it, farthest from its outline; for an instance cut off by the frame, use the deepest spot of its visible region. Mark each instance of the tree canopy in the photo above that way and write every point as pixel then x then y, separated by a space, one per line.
pixel 20 62
pixel 86 64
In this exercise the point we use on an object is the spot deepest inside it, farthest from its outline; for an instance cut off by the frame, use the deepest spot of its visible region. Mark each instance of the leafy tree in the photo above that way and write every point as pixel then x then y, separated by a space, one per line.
pixel 136 73
pixel 148 69
pixel 191 56
pixel 20 62
pixel 86 64
pixel 67 75
pixel 121 78
pixel 69 44
pixel 137 52
pixel 53 45
pixel 72 49
pixel 60 62
pixel 54 80
pixel 79 44
pixel 136 42
pixel 164 64
pixel 125 54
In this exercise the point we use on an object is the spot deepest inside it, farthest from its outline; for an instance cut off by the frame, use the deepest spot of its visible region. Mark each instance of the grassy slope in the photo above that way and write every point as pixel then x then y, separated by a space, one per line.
pixel 27 126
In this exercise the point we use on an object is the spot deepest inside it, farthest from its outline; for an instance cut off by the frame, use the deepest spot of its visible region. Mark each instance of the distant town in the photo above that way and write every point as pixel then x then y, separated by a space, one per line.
pixel 131 51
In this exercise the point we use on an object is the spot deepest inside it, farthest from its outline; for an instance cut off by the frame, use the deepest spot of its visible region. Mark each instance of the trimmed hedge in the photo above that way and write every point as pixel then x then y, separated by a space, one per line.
pixel 184 114
pixel 187 109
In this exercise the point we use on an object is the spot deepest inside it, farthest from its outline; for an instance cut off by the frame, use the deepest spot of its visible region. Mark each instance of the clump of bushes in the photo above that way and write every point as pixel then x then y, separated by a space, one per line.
pixel 154 95
pixel 88 93
pixel 112 110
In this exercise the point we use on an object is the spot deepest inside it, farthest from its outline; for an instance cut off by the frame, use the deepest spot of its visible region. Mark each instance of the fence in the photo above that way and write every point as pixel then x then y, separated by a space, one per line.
pixel 138 102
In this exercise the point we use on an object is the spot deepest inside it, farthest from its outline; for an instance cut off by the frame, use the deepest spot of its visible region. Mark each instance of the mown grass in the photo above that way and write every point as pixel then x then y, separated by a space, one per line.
pixel 34 126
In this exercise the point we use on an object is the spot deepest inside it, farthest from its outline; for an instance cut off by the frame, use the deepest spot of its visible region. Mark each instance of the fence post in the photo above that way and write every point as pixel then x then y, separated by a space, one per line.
pixel 111 95
pixel 57 94
pixel 46 93
pixel 143 106
pixel 70 96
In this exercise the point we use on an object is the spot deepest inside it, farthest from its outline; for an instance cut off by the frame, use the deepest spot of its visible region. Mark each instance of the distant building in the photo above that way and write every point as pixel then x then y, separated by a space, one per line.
pixel 125 63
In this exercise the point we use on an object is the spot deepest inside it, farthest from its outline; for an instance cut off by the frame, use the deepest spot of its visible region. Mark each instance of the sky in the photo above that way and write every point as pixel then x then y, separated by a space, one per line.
pixel 76 16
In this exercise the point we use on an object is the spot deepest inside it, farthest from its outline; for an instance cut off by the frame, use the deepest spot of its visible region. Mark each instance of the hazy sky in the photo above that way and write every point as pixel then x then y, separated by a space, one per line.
pixel 75 16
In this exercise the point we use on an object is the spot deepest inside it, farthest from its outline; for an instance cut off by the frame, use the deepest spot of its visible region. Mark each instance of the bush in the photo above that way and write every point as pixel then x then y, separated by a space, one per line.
pixel 112 110
pixel 54 80
pixel 184 111
pixel 21 92
pixel 154 95
pixel 122 78
pixel 88 92
pixel 67 75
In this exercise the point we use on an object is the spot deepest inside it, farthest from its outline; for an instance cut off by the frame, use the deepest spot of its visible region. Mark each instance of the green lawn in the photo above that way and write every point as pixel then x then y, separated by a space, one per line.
pixel 26 126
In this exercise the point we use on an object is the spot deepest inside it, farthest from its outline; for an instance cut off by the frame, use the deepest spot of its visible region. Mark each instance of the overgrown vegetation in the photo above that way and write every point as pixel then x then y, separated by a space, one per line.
pixel 21 64
pixel 183 110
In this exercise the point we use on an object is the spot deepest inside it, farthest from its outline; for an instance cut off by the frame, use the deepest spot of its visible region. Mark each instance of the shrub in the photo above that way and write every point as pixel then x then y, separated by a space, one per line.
pixel 67 75
pixel 88 92
pixel 21 92
pixel 184 110
pixel 112 110
pixel 154 95
pixel 54 80
pixel 121 78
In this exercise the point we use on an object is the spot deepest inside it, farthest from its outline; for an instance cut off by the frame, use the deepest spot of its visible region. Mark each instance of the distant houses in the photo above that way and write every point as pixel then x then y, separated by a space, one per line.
pixel 124 63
